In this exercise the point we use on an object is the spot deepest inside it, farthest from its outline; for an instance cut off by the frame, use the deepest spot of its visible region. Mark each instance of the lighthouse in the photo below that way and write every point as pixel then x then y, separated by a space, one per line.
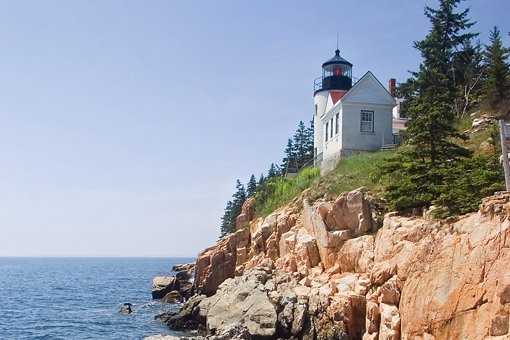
pixel 336 80
pixel 350 115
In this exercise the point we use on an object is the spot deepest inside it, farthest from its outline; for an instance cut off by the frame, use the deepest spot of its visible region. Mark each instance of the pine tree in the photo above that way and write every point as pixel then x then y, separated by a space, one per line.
pixel 261 181
pixel 300 146
pixel 289 161
pixel 418 171
pixel 468 76
pixel 226 220
pixel 273 171
pixel 497 84
pixel 251 187
pixel 309 141
pixel 232 210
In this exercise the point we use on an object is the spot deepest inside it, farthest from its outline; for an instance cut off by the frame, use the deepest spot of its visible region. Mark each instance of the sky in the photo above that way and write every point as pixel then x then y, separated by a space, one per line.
pixel 125 124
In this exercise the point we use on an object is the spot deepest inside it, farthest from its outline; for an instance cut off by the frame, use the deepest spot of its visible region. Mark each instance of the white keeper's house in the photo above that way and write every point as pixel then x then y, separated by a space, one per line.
pixel 350 115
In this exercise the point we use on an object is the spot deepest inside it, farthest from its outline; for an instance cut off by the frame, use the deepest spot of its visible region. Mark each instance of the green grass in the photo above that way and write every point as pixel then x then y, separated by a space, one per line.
pixel 360 170
pixel 278 191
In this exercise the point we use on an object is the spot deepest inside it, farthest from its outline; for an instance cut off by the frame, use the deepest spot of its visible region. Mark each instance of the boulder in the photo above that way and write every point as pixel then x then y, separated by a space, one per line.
pixel 247 213
pixel 243 301
pixel 216 264
pixel 185 319
pixel 480 124
pixel 161 285
pixel 172 297
pixel 313 273
pixel 126 309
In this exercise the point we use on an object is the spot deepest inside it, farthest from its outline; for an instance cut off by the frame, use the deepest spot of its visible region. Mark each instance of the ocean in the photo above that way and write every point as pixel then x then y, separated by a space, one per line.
pixel 78 298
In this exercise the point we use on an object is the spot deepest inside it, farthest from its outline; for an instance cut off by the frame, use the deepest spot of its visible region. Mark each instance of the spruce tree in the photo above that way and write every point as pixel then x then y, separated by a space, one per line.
pixel 497 84
pixel 261 181
pixel 232 210
pixel 251 187
pixel 300 147
pixel 273 171
pixel 289 161
pixel 226 220
pixel 418 171
pixel 309 141
pixel 469 75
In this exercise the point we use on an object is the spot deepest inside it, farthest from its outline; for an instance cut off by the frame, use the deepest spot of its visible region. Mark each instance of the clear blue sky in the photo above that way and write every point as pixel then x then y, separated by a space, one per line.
pixel 124 124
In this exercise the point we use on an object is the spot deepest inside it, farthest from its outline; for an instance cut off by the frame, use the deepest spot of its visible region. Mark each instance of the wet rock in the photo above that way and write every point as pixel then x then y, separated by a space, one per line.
pixel 161 285
pixel 172 297
pixel 126 309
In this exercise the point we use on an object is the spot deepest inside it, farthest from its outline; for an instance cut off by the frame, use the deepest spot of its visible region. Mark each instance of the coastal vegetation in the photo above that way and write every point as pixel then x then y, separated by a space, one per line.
pixel 435 166
pixel 442 161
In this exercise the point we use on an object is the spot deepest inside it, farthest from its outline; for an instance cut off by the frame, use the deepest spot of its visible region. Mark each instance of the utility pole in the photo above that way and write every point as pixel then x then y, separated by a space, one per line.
pixel 504 151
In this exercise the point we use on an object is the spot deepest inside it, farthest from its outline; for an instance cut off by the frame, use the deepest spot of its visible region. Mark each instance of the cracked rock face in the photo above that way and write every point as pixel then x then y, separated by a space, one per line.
pixel 321 271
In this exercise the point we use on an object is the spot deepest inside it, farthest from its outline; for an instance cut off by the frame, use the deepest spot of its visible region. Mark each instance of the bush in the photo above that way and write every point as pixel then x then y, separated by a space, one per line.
pixel 467 183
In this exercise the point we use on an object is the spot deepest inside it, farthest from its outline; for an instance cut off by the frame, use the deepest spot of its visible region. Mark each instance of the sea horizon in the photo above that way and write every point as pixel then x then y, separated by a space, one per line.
pixel 79 297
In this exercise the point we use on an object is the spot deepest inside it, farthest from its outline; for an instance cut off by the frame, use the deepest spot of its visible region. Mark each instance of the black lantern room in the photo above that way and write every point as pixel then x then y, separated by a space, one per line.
pixel 336 75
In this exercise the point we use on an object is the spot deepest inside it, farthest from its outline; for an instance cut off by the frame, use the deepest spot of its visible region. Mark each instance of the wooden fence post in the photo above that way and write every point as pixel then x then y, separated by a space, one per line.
pixel 504 152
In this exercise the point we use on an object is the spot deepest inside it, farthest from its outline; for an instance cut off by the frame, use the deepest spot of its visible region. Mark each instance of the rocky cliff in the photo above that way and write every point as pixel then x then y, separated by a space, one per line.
pixel 327 270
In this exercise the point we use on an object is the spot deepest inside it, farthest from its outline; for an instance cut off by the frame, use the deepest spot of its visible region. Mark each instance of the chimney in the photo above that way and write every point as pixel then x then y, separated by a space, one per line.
pixel 391 86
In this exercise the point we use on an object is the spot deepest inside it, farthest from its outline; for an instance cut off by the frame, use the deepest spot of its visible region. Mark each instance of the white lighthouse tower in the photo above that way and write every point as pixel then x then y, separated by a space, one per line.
pixel 336 80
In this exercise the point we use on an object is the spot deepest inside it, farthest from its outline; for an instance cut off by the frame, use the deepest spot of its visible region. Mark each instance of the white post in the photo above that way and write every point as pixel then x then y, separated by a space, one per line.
pixel 504 151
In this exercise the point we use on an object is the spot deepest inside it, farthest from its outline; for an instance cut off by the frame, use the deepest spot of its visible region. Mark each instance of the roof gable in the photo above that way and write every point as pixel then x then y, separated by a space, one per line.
pixel 368 90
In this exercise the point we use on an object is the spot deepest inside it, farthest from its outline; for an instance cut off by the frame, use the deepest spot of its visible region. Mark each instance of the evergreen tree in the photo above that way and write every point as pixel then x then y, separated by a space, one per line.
pixel 251 187
pixel 300 147
pixel 289 161
pixel 232 210
pixel 239 198
pixel 273 171
pixel 469 75
pixel 261 181
pixel 447 49
pixel 418 171
pixel 497 84
pixel 309 141
pixel 227 224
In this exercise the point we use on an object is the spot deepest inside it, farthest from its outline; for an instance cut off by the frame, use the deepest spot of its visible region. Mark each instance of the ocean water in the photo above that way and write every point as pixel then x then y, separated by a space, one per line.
pixel 78 298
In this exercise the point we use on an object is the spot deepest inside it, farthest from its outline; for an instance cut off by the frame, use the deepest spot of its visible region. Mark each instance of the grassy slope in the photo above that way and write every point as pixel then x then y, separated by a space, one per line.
pixel 359 170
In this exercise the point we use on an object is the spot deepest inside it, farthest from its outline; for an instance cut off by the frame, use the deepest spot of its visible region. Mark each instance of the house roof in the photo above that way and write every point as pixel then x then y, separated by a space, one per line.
pixel 381 90
pixel 367 91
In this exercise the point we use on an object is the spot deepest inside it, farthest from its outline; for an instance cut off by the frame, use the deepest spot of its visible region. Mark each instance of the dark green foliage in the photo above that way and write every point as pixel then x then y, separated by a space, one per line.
pixel 232 210
pixel 469 76
pixel 261 181
pixel 411 184
pixel 467 182
pixel 497 84
pixel 417 173
pixel 273 171
pixel 289 162
pixel 228 220
pixel 299 150
pixel 251 187
pixel 303 145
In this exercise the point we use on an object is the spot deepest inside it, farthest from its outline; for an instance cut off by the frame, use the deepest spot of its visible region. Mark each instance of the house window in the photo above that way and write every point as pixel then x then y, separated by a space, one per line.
pixel 331 127
pixel 367 121
pixel 336 125
pixel 327 130
pixel 316 109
